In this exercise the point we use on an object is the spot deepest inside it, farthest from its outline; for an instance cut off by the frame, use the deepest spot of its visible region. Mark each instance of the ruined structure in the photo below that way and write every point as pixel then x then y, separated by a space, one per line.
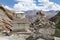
pixel 20 23
pixel 41 27
pixel 17 21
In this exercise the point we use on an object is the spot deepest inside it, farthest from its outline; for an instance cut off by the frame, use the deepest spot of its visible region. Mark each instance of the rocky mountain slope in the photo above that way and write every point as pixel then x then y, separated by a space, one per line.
pixel 32 13
pixel 56 17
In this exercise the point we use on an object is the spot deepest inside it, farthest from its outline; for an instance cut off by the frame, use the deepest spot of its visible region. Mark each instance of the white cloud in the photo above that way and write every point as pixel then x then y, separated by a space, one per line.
pixel 5 6
pixel 50 5
pixel 8 8
pixel 24 5
pixel 30 5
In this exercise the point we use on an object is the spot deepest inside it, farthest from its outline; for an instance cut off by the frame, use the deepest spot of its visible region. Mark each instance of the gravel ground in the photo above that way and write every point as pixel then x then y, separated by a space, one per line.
pixel 14 37
pixel 19 37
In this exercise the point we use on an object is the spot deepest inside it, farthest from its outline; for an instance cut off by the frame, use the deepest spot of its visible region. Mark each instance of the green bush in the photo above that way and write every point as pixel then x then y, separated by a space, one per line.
pixel 57 32
pixel 58 23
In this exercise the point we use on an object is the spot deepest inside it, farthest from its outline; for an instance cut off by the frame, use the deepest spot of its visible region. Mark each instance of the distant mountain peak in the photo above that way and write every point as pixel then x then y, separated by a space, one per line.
pixel 49 14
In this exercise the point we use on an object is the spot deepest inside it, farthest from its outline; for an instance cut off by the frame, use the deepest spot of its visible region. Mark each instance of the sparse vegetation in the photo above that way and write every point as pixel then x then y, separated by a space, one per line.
pixel 57 32
pixel 58 24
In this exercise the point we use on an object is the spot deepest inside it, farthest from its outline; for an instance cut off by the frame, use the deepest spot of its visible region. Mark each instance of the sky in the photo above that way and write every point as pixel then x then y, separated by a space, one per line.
pixel 25 5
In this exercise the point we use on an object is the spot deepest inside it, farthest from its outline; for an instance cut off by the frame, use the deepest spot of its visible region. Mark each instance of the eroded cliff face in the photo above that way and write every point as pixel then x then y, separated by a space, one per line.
pixel 41 27
pixel 7 13
pixel 6 17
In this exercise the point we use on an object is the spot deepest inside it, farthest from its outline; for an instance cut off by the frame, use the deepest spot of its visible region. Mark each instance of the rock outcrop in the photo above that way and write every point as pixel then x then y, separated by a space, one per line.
pixel 6 16
pixel 41 27
pixel 55 18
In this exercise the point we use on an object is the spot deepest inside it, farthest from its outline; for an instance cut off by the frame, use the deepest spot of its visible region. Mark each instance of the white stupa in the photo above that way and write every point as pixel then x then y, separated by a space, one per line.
pixel 20 14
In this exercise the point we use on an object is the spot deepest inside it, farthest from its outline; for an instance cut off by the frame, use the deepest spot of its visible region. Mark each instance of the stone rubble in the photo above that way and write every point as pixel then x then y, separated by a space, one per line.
pixel 41 27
